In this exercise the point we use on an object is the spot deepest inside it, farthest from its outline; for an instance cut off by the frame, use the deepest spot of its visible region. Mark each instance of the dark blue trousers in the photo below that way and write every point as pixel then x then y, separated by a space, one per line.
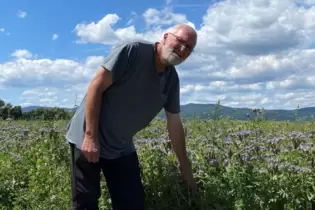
pixel 122 177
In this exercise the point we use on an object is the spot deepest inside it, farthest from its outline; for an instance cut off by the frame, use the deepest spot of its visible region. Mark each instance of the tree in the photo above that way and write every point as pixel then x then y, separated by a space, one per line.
pixel 16 112
pixel 2 103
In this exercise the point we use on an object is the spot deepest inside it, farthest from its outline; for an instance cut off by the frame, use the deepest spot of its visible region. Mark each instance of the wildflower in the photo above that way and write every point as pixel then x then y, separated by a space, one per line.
pixel 16 156
pixel 227 161
pixel 297 135
pixel 306 146
pixel 243 133
pixel 145 140
pixel 228 140
pixel 249 148
pixel 213 162
pixel 275 140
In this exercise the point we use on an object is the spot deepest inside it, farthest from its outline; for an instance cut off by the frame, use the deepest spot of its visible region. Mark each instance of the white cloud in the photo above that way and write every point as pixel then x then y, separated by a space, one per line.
pixel 133 18
pixel 154 17
pixel 2 30
pixel 104 32
pixel 100 32
pixel 21 14
pixel 54 96
pixel 55 36
pixel 43 96
pixel 22 54
pixel 45 72
pixel 249 53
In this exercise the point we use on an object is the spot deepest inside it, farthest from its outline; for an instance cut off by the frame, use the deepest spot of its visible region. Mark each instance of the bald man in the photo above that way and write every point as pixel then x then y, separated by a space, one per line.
pixel 136 80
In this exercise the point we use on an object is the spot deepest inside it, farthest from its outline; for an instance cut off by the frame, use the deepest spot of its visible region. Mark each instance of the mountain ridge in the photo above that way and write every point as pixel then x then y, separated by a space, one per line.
pixel 205 111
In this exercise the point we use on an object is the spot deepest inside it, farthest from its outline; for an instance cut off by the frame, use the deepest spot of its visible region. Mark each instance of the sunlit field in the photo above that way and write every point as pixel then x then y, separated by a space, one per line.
pixel 238 165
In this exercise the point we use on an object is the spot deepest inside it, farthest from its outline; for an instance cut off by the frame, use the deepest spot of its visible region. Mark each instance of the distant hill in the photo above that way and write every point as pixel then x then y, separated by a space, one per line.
pixel 31 108
pixel 205 111
pixel 202 111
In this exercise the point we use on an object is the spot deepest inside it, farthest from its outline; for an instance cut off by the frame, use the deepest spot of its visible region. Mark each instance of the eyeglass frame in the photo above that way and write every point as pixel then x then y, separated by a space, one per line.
pixel 183 43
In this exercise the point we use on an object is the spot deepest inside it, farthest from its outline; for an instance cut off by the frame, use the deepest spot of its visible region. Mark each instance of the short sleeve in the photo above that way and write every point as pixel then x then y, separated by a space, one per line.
pixel 172 104
pixel 120 59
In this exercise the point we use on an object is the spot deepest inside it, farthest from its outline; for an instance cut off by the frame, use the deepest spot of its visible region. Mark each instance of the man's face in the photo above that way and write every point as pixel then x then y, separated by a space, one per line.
pixel 177 47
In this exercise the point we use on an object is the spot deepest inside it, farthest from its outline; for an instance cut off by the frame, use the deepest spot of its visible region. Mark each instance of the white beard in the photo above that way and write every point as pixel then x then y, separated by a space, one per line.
pixel 169 57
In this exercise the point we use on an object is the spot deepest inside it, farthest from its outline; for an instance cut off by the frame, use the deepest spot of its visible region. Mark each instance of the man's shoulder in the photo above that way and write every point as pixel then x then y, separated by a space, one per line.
pixel 134 44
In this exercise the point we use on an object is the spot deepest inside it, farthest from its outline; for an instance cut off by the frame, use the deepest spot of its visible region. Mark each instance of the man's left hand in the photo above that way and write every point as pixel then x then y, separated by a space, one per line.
pixel 189 178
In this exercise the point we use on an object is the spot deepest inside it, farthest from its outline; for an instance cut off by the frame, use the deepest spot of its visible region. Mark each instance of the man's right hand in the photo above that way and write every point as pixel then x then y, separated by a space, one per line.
pixel 100 82
pixel 90 149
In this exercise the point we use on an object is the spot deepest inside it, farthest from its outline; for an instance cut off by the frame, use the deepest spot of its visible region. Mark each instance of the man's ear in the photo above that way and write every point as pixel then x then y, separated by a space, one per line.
pixel 165 37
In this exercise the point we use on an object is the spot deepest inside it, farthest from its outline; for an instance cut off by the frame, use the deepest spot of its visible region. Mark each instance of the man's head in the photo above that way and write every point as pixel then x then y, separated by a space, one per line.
pixel 177 44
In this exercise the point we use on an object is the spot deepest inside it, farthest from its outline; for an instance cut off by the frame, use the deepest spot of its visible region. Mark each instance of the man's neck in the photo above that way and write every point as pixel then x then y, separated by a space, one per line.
pixel 160 67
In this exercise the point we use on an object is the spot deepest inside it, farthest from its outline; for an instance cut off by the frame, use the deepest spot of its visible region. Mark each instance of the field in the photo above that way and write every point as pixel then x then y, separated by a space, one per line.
pixel 237 164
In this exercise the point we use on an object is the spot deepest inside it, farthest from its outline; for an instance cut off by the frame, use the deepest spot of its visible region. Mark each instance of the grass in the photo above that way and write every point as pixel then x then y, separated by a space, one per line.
pixel 237 164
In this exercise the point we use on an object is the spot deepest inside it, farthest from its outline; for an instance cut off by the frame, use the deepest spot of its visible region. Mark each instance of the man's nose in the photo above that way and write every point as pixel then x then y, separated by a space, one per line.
pixel 182 47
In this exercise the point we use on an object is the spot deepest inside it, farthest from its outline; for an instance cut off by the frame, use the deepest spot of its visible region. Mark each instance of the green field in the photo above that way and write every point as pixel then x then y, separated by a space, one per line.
pixel 237 164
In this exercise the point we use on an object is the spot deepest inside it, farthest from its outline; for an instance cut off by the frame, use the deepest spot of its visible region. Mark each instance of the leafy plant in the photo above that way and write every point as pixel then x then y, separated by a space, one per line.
pixel 254 164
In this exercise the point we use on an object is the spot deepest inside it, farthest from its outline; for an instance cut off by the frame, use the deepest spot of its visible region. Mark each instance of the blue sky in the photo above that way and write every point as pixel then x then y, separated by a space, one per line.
pixel 249 53
pixel 45 18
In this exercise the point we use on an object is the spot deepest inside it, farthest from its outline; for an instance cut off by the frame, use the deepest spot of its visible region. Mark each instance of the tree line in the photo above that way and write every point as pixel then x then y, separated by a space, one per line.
pixel 10 112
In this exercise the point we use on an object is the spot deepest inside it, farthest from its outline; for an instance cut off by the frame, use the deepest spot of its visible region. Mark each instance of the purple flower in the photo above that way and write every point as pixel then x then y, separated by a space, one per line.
pixel 228 140
pixel 213 162
pixel 243 133
pixel 145 140
pixel 275 140
pixel 306 146
pixel 297 135
pixel 16 156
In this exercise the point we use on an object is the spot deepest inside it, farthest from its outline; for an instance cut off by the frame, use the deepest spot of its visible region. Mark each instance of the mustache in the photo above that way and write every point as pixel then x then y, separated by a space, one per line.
pixel 176 54
pixel 172 51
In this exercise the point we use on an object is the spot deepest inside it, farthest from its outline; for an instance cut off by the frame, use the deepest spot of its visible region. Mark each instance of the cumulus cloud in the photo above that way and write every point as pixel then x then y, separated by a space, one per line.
pixel 26 73
pixel 49 96
pixel 154 17
pixel 257 27
pixel 21 53
pixel 21 14
pixel 103 31
pixel 67 95
pixel 133 18
pixel 249 54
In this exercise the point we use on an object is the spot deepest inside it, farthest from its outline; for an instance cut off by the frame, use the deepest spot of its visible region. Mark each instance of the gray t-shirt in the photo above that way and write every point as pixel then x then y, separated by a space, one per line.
pixel 137 95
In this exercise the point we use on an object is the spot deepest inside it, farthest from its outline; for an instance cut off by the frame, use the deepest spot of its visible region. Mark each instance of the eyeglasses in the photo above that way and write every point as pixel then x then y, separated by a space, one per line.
pixel 183 44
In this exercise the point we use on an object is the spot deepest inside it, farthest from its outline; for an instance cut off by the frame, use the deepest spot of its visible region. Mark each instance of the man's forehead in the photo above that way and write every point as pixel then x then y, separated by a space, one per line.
pixel 186 35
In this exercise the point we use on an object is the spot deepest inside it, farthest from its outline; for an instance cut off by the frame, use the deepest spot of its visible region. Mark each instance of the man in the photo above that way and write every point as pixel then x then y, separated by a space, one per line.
pixel 134 83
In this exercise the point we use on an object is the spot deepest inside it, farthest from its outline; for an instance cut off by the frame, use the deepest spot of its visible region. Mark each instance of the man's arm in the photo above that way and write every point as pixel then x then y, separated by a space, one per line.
pixel 100 82
pixel 177 136
pixel 174 123
pixel 113 68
